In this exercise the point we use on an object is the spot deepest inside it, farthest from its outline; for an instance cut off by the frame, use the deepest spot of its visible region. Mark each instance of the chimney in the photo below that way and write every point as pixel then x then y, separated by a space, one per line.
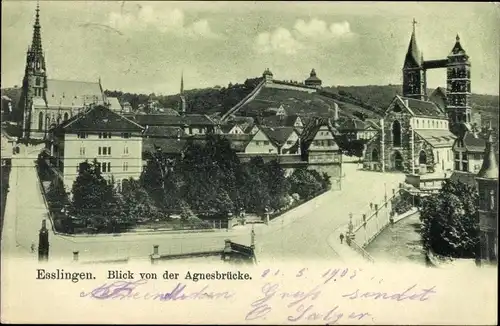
pixel 155 249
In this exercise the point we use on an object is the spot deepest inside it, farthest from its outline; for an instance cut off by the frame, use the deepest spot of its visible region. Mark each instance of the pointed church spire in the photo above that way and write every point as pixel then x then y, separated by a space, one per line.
pixel 413 55
pixel 489 169
pixel 182 101
pixel 36 43
pixel 458 49
pixel 182 82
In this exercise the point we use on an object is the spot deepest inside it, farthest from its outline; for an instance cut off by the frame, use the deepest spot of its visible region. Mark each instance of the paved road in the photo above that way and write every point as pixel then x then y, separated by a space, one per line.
pixel 302 233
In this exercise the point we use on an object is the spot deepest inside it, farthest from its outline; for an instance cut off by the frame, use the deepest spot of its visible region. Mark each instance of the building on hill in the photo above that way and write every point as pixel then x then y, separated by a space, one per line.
pixel 414 137
pixel 296 121
pixel 45 102
pixel 192 124
pixel 321 151
pixel 313 80
pixel 487 186
pixel 274 140
pixel 458 85
pixel 231 128
pixel 101 134
pixel 268 76
pixel 356 129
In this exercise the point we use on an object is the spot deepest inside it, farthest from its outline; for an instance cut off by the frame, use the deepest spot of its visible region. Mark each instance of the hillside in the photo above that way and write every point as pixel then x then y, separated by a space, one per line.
pixel 361 101
pixel 381 96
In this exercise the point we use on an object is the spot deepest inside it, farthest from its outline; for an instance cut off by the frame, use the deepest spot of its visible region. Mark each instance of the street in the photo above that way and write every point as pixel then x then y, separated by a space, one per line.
pixel 301 233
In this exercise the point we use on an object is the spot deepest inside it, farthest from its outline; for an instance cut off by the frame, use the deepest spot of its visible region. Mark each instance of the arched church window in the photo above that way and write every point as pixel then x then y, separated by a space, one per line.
pixel 428 123
pixel 40 121
pixel 58 119
pixel 417 123
pixel 66 116
pixel 396 133
pixel 38 81
pixel 375 155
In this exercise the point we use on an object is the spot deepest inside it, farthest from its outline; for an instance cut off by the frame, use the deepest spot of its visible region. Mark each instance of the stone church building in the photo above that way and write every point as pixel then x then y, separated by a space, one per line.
pixel 44 102
pixel 417 130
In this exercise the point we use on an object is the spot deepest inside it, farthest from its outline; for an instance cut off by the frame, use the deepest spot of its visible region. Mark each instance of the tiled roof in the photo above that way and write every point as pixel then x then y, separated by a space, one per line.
pixel 68 93
pixel 171 120
pixel 164 132
pixel 424 108
pixel 474 142
pixel 278 135
pixel 437 138
pixel 167 145
pixel 226 128
pixel 100 118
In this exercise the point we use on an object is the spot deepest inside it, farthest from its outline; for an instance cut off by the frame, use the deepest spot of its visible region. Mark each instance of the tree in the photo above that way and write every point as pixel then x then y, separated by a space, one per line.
pixel 137 204
pixel 304 183
pixel 449 223
pixel 278 185
pixel 94 199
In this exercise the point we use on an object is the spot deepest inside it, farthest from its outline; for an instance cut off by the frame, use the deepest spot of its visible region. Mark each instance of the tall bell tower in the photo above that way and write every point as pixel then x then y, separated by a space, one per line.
pixel 458 90
pixel 414 81
pixel 35 77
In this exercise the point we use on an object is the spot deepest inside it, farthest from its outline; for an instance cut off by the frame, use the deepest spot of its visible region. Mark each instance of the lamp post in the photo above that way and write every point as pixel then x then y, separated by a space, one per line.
pixel 43 243
pixel 350 229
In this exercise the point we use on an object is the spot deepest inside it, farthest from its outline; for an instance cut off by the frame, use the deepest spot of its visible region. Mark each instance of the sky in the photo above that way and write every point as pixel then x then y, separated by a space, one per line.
pixel 144 47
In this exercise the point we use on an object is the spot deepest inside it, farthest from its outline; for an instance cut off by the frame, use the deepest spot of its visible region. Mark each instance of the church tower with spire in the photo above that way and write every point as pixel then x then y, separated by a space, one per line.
pixel 35 76
pixel 414 81
pixel 458 88
pixel 487 186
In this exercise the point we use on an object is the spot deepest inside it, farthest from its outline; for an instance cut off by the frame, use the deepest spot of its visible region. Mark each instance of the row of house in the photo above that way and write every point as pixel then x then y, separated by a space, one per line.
pixel 122 144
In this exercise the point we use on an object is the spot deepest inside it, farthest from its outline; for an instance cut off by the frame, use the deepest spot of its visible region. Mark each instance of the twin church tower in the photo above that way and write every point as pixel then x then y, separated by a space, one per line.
pixel 458 89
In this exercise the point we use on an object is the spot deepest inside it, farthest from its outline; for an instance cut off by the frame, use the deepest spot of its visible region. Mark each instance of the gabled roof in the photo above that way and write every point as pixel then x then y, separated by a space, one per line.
pixel 437 137
pixel 312 129
pixel 67 93
pixel 278 135
pixel 114 104
pixel 438 97
pixel 99 118
pixel 171 120
pixel 423 108
pixel 238 141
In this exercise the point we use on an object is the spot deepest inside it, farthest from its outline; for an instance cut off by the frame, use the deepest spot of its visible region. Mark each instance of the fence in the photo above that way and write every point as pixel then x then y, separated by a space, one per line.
pixel 373 223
